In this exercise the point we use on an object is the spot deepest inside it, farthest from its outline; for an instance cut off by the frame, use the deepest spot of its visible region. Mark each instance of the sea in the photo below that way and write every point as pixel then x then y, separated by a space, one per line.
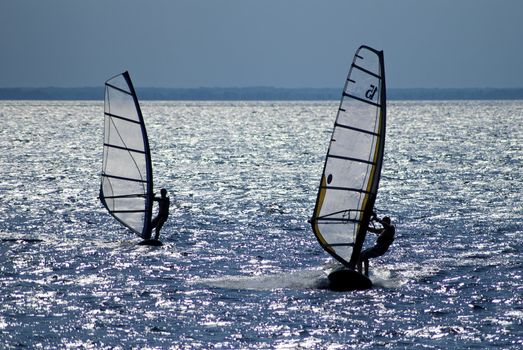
pixel 240 267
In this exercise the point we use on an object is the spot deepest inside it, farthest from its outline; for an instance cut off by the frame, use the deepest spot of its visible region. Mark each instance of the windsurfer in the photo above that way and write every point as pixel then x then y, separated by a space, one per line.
pixel 383 242
pixel 163 212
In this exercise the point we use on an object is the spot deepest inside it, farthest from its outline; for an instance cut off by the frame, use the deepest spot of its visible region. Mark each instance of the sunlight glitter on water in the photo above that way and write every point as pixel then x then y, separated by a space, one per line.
pixel 240 267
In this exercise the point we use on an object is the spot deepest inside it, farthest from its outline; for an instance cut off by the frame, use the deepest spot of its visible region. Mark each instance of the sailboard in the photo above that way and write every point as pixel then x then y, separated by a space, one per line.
pixel 351 174
pixel 126 188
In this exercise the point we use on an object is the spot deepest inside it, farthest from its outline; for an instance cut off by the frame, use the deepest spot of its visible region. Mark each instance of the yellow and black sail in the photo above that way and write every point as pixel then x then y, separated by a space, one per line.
pixel 351 173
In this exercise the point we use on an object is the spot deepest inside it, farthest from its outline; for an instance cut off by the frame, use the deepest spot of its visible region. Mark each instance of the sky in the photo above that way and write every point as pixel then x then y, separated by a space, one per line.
pixel 245 43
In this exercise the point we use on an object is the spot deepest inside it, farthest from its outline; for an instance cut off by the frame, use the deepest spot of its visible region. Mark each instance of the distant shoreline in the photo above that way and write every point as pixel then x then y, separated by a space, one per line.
pixel 258 94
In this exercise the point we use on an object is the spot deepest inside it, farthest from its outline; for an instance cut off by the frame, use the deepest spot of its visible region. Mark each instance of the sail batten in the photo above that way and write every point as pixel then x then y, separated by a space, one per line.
pixel 356 129
pixel 125 148
pixel 352 168
pixel 340 245
pixel 352 159
pixel 109 85
pixel 335 221
pixel 122 118
pixel 125 179
pixel 125 196
pixel 361 99
pixel 126 188
pixel 366 70
pixel 348 189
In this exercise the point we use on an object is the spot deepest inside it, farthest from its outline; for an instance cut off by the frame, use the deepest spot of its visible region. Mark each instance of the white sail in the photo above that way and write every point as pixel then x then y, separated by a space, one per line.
pixel 351 174
pixel 127 184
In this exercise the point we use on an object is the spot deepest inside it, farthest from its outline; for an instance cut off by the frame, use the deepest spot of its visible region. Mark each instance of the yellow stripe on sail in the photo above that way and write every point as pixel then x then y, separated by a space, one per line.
pixel 321 198
pixel 373 169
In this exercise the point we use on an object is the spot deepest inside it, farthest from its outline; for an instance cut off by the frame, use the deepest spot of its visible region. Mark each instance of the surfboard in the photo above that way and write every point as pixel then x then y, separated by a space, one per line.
pixel 151 242
pixel 344 279
pixel 350 179
pixel 126 188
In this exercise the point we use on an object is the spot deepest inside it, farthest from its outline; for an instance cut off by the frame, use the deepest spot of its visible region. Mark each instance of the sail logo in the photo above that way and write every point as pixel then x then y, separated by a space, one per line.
pixel 371 92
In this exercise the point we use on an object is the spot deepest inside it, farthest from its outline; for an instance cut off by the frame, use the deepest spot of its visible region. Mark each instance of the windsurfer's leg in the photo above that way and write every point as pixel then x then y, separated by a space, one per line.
pixel 373 252
pixel 366 264
pixel 158 228
pixel 154 222
pixel 363 256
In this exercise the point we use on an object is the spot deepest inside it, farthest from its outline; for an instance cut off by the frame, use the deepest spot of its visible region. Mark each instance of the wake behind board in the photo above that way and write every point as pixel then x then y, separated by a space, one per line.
pixel 151 242
pixel 344 279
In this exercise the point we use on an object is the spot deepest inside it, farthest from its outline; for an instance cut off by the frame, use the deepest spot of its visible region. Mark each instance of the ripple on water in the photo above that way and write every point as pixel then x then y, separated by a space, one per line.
pixel 240 267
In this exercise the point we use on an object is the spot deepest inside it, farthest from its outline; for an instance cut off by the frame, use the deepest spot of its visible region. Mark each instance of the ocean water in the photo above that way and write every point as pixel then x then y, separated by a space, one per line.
pixel 240 267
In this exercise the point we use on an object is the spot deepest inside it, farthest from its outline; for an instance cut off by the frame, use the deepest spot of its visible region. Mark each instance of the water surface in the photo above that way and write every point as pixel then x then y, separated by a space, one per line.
pixel 240 267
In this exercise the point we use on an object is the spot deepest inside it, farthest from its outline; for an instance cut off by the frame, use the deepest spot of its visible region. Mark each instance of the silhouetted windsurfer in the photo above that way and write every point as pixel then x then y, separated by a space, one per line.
pixel 385 238
pixel 163 212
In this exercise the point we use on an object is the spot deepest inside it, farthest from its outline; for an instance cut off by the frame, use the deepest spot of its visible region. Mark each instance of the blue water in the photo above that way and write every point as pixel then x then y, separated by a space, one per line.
pixel 240 267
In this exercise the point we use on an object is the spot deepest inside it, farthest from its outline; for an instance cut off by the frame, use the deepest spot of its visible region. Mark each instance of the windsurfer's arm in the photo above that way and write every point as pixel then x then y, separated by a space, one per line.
pixel 373 230
pixel 383 223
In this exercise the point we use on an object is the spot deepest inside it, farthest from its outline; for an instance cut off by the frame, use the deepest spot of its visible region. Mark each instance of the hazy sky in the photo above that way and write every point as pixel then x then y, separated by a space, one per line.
pixel 281 43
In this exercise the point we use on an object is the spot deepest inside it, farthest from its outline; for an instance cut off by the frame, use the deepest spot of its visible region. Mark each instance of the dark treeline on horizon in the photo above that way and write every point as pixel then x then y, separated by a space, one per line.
pixel 258 94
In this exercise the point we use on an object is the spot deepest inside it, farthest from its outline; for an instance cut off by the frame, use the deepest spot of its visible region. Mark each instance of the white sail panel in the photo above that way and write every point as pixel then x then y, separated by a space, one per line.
pixel 126 188
pixel 353 164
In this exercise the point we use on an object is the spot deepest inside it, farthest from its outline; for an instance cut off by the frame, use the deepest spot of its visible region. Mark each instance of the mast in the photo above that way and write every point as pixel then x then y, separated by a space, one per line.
pixel 146 231
pixel 352 169
pixel 126 188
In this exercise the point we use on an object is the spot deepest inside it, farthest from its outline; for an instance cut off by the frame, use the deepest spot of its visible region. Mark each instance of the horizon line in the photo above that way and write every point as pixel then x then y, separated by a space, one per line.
pixel 262 87
pixel 257 93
